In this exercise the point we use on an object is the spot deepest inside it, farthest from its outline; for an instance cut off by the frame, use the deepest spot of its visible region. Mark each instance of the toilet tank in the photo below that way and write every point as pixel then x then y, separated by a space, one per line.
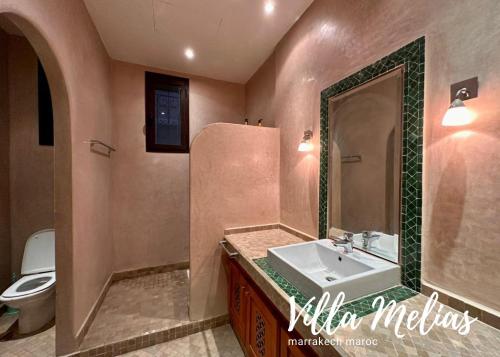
pixel 39 253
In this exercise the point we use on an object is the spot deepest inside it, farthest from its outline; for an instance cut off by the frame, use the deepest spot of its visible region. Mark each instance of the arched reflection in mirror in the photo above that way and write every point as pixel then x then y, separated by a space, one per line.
pixel 365 164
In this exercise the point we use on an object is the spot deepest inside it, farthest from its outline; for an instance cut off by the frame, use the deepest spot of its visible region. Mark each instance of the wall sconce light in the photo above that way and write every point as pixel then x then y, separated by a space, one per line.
pixel 306 144
pixel 458 114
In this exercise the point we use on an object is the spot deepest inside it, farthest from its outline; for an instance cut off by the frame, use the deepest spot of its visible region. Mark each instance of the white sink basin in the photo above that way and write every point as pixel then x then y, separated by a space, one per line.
pixel 318 267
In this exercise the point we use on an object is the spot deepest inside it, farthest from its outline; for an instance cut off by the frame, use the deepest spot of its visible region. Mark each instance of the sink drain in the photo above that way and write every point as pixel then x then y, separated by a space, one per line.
pixel 330 278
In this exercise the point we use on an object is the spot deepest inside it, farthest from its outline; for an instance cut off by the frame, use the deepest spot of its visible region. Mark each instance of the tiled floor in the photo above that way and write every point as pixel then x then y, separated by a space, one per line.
pixel 219 341
pixel 134 306
pixel 7 322
pixel 39 345
pixel 153 307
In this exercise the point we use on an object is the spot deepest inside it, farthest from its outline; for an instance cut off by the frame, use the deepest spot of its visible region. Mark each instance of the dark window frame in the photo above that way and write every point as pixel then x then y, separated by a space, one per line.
pixel 45 112
pixel 157 81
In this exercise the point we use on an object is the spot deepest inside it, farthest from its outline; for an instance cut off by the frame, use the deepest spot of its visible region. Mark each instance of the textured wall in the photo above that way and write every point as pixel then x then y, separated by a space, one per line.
pixel 151 190
pixel 78 69
pixel 4 166
pixel 31 165
pixel 234 182
pixel 259 92
pixel 461 169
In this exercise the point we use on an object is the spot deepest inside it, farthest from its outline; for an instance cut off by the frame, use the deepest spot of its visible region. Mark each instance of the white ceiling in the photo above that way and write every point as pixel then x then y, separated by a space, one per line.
pixel 231 38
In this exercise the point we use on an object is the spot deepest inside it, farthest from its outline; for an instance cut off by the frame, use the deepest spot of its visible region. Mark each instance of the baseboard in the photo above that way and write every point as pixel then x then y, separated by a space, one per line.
pixel 483 313
pixel 144 340
pixel 93 311
pixel 135 273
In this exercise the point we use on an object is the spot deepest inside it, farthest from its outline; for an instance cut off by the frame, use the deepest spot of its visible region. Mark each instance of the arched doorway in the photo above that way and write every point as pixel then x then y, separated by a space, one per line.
pixel 62 179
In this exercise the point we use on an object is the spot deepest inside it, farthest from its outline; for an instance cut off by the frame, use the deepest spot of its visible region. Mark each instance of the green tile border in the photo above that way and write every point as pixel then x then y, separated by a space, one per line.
pixel 411 57
pixel 360 307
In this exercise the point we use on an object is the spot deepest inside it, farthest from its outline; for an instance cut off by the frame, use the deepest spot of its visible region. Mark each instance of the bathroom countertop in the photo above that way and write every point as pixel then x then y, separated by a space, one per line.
pixel 255 244
pixel 483 340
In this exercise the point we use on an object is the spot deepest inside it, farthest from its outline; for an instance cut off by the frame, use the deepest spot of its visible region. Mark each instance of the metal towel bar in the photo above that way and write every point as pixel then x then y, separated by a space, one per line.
pixel 94 142
pixel 350 158
pixel 232 255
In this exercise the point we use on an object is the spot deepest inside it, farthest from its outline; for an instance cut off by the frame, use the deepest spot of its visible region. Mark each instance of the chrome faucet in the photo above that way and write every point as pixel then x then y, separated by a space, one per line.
pixel 368 238
pixel 344 242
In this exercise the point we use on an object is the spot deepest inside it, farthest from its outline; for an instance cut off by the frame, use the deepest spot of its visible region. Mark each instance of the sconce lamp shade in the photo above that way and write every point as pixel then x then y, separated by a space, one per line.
pixel 457 114
pixel 306 144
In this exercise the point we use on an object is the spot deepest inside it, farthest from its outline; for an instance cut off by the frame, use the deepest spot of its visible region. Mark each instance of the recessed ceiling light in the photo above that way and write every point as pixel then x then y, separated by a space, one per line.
pixel 269 8
pixel 189 53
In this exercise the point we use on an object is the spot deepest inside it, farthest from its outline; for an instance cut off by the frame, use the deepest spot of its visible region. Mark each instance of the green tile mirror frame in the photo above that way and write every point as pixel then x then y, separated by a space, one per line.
pixel 412 59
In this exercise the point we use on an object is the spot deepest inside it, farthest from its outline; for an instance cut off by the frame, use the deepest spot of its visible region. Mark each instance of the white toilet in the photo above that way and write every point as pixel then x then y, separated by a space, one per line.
pixel 34 293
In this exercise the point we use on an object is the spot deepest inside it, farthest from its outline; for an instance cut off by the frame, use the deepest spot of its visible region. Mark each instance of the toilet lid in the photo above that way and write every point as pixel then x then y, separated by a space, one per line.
pixel 39 253
pixel 30 284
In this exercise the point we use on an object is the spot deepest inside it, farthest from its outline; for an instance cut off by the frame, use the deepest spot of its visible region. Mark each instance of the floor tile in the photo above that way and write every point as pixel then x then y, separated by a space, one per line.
pixel 42 344
pixel 138 305
pixel 219 341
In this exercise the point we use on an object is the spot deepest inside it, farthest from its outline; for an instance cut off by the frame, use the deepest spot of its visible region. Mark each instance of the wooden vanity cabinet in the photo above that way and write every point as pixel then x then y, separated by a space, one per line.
pixel 238 302
pixel 262 329
pixel 258 325
pixel 289 351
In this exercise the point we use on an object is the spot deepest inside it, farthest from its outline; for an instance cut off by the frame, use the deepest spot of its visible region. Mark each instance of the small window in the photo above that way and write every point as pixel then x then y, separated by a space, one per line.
pixel 167 113
pixel 45 117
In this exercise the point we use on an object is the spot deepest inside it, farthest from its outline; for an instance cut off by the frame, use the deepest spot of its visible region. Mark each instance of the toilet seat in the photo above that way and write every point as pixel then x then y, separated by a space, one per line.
pixel 29 285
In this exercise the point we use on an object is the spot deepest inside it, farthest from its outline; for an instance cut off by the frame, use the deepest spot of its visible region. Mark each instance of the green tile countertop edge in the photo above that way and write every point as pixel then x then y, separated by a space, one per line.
pixel 361 307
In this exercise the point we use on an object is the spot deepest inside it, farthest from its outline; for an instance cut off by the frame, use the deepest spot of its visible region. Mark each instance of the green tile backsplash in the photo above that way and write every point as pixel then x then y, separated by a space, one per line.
pixel 411 57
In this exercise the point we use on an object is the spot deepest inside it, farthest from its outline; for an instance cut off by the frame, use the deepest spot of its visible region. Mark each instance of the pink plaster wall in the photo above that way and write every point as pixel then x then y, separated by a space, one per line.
pixel 151 190
pixel 78 69
pixel 335 38
pixel 31 200
pixel 234 182
pixel 4 165
pixel 259 92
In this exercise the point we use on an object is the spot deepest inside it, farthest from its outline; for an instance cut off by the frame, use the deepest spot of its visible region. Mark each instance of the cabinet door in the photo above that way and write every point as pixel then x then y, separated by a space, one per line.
pixel 287 350
pixel 262 329
pixel 237 301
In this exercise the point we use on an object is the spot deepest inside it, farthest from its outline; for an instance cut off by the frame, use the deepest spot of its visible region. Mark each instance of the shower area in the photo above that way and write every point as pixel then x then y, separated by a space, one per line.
pixel 187 301
pixel 141 304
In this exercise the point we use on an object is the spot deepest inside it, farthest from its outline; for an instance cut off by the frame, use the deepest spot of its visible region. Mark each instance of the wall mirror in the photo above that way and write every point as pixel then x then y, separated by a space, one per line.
pixel 365 164
pixel 370 179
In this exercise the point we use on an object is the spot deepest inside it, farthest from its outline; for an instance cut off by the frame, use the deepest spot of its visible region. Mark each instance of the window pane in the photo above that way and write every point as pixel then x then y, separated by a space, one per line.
pixel 45 117
pixel 168 117
pixel 167 113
